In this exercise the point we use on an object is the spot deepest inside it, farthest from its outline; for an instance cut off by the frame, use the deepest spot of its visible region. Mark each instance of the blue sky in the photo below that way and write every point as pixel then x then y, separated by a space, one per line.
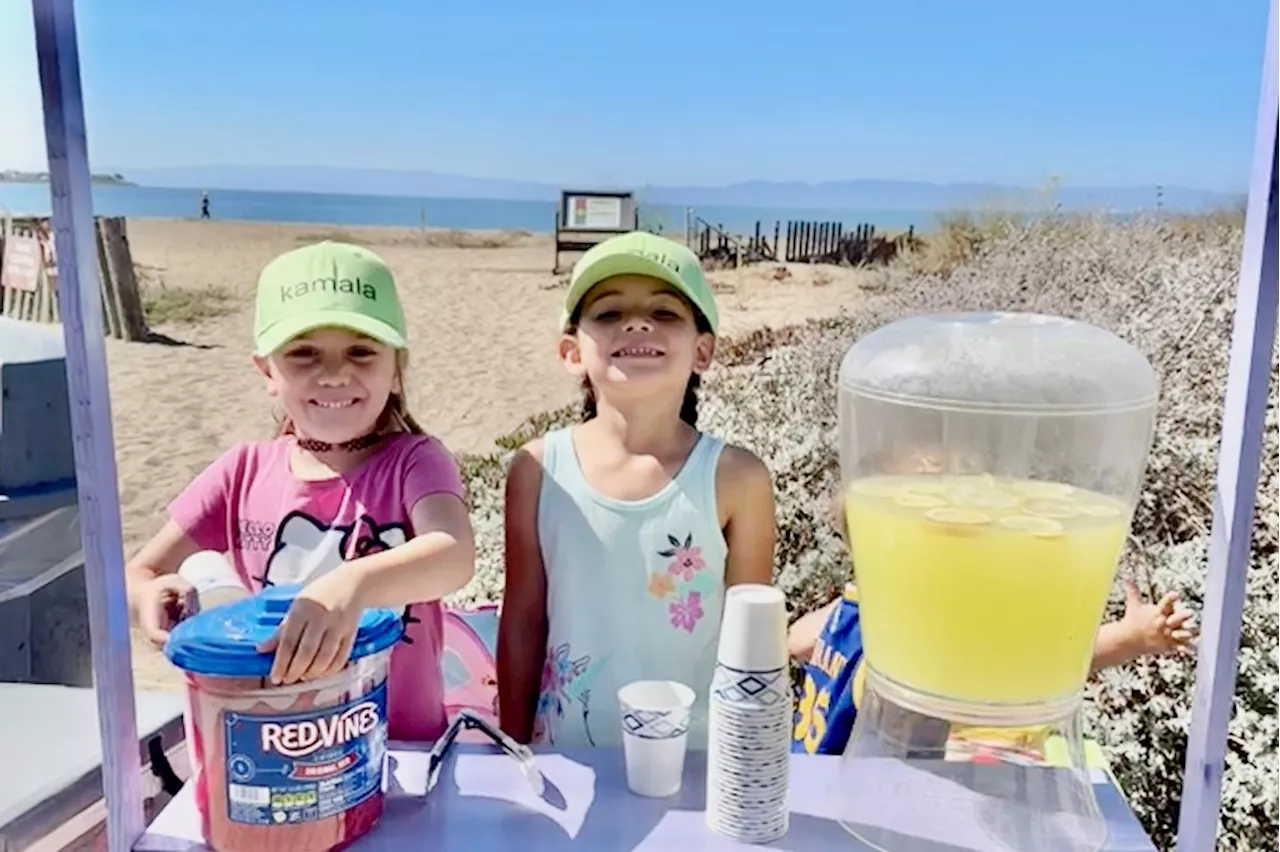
pixel 664 91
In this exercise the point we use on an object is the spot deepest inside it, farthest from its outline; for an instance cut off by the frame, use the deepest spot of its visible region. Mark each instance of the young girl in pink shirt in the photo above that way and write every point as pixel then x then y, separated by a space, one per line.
pixel 351 499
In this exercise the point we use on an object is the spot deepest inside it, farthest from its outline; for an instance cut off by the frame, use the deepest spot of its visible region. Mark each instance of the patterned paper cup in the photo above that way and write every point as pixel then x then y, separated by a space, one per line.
pixel 655 735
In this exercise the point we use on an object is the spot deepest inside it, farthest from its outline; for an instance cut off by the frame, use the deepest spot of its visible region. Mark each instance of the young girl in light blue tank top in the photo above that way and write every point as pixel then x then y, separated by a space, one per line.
pixel 623 532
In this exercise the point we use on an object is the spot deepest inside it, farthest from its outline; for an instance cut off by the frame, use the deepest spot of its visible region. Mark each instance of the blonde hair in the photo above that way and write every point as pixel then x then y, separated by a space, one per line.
pixel 395 417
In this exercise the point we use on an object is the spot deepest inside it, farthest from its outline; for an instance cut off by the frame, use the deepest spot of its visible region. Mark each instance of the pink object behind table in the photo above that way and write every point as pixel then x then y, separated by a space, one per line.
pixel 470 674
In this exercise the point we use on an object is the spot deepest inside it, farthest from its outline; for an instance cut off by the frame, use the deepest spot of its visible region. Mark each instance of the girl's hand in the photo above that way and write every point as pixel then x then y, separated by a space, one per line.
pixel 1161 628
pixel 160 603
pixel 317 634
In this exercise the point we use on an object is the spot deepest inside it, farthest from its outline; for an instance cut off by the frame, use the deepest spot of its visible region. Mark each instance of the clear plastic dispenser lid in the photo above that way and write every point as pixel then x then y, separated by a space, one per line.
pixel 1007 362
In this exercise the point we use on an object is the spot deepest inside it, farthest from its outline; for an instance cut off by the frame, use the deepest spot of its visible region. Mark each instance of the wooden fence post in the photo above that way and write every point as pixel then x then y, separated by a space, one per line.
pixel 124 280
pixel 111 310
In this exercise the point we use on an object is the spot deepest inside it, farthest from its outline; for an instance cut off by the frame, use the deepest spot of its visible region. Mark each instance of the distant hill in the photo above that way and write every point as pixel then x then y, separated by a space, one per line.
pixel 844 194
pixel 15 176
pixel 343 180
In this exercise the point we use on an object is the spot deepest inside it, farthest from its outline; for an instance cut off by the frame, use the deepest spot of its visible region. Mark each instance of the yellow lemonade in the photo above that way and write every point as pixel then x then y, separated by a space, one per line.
pixel 982 589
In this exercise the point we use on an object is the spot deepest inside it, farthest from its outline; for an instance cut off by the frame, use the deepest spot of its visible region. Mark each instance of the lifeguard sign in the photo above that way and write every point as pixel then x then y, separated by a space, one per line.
pixel 587 217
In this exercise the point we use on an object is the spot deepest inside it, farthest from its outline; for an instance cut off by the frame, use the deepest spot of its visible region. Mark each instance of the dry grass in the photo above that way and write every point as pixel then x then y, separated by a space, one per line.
pixel 424 238
pixel 958 239
pixel 163 305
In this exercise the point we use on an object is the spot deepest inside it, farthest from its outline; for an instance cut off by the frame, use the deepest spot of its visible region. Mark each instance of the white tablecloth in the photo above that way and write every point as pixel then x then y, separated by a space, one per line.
pixel 483 802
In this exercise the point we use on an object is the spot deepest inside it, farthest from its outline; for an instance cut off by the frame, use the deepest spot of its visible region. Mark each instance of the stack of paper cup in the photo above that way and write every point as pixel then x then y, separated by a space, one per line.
pixel 749 733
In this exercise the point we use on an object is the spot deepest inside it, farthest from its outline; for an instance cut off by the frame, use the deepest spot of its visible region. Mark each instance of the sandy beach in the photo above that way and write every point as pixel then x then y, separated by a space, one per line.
pixel 482 324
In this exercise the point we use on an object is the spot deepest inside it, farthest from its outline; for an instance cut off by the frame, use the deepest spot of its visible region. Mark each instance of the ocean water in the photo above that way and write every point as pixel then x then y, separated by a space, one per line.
pixel 463 213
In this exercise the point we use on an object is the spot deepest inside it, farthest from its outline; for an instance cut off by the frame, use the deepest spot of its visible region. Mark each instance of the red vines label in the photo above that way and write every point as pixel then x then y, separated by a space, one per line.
pixel 299 739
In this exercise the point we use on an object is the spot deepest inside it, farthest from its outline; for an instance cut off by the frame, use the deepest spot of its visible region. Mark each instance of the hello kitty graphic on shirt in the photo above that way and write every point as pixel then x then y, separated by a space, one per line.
pixel 306 549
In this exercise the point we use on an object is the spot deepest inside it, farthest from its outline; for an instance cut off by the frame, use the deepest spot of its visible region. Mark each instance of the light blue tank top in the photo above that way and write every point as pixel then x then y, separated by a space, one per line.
pixel 634 592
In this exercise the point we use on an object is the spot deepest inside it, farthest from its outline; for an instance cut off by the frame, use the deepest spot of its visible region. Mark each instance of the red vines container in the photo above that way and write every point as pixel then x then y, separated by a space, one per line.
pixel 296 768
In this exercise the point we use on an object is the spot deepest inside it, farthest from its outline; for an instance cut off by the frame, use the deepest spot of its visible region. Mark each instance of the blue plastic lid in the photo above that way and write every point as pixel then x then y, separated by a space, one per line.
pixel 224 641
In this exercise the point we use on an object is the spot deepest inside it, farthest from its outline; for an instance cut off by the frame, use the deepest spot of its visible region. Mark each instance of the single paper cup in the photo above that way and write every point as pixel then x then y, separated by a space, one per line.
pixel 214 579
pixel 655 735
pixel 753 629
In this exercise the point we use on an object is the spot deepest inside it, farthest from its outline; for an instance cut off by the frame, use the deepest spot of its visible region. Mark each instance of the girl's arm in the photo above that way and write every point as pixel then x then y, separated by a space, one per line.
pixel 319 631
pixel 438 561
pixel 158 597
pixel 803 635
pixel 744 492
pixel 1114 646
pixel 163 554
pixel 316 637
pixel 522 626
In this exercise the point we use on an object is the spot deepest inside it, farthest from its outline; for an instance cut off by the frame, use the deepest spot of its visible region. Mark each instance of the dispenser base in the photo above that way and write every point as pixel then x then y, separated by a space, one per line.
pixel 1006 796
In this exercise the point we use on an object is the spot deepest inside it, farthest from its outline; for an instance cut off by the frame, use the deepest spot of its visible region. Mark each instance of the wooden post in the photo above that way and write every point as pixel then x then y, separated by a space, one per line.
pixel 124 279
pixel 8 297
pixel 555 245
pixel 1239 457
pixel 92 439
pixel 113 325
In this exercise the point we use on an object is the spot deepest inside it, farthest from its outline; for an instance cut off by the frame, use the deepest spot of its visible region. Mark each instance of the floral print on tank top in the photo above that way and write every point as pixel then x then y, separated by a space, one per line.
pixel 681 584
pixel 566 685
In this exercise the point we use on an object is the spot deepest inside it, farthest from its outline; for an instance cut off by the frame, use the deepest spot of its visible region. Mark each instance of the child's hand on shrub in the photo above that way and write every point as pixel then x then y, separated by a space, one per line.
pixel 1164 627
pixel 1146 629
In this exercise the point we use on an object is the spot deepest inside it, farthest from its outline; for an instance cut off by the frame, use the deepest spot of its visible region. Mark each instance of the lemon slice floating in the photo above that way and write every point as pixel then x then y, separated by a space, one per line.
pixel 1031 524
pixel 984 481
pixel 912 500
pixel 926 488
pixel 1099 510
pixel 950 515
pixel 1037 489
pixel 874 487
pixel 1052 509
pixel 972 498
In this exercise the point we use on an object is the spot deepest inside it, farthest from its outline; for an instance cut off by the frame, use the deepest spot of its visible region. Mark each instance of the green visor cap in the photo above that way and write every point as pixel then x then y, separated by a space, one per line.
pixel 642 253
pixel 327 285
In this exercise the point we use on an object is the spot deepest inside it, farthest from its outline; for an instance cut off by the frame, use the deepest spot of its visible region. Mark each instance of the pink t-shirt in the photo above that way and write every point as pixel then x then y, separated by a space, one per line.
pixel 278 529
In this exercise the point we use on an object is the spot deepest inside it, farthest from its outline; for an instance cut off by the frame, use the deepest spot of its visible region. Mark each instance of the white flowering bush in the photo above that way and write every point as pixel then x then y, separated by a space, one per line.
pixel 1165 287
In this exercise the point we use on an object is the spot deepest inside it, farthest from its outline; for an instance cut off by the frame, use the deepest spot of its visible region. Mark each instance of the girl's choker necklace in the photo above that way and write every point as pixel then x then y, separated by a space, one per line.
pixel 355 445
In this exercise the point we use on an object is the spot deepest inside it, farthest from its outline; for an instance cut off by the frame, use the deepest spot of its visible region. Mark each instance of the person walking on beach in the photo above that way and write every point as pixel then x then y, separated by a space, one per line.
pixel 204 206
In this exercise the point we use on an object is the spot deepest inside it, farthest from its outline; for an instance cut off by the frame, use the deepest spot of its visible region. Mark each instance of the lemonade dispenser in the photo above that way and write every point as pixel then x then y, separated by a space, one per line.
pixel 991 464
